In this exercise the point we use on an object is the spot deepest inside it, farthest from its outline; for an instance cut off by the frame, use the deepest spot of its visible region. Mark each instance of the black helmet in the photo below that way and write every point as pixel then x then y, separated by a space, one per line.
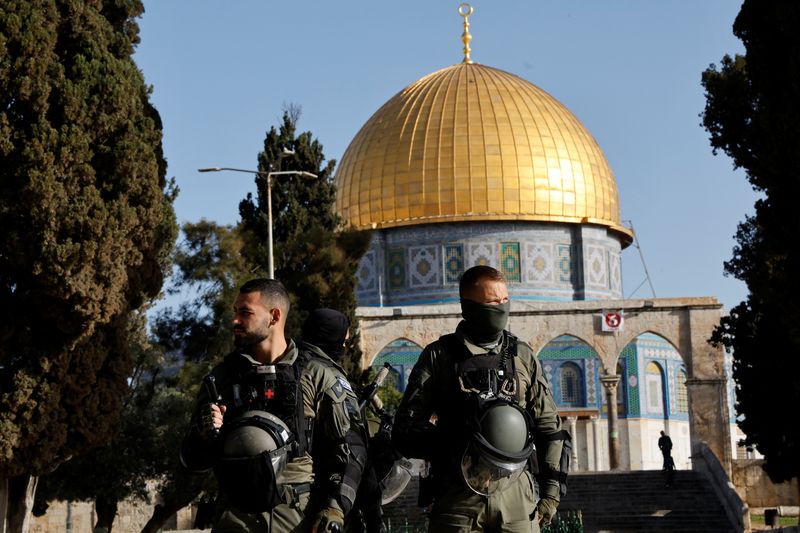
pixel 498 453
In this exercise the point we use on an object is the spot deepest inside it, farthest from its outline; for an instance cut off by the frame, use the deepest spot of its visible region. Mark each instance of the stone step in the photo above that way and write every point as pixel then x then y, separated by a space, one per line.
pixel 638 501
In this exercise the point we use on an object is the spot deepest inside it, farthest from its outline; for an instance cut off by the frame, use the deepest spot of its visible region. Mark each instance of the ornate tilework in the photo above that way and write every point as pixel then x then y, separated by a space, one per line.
pixel 595 266
pixel 366 272
pixel 453 262
pixel 538 262
pixel 482 253
pixel 510 261
pixel 396 268
pixel 616 279
pixel 423 266
pixel 591 387
pixel 629 353
pixel 564 263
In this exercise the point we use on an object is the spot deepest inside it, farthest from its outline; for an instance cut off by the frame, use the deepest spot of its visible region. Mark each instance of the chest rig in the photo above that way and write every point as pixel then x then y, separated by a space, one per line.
pixel 275 389
pixel 478 380
pixel 487 377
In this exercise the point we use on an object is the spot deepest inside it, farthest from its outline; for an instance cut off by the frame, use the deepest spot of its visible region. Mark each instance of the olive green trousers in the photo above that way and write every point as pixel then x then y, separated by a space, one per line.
pixel 459 510
pixel 285 518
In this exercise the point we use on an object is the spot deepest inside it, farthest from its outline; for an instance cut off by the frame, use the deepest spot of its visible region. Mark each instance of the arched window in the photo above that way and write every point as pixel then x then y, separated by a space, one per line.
pixel 401 354
pixel 570 384
pixel 655 389
pixel 682 396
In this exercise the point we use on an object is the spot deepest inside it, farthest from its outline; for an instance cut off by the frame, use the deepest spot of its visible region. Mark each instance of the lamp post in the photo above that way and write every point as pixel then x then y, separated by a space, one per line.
pixel 268 175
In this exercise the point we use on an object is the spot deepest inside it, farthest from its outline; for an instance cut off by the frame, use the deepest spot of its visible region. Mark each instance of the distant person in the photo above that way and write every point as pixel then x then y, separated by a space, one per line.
pixel 665 445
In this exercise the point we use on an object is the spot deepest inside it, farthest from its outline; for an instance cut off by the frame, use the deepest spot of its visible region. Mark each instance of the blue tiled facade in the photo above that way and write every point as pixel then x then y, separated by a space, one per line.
pixel 632 392
pixel 542 261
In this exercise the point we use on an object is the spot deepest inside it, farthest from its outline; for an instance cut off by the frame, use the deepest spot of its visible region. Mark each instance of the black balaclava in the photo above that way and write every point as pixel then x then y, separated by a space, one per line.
pixel 327 329
pixel 485 322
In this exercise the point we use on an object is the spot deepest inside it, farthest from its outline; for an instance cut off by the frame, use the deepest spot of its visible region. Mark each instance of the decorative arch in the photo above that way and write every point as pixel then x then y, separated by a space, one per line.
pixel 573 368
pixel 672 338
pixel 538 344
pixel 402 354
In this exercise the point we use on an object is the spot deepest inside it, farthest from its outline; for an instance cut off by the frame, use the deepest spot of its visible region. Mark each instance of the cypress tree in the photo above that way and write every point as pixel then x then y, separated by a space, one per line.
pixel 753 114
pixel 86 223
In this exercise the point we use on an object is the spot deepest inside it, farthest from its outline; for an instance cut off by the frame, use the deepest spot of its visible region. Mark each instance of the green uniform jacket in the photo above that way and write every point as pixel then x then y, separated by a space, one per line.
pixel 432 388
pixel 330 406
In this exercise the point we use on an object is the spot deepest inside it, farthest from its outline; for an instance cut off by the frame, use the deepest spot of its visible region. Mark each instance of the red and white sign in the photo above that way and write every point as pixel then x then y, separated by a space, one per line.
pixel 613 320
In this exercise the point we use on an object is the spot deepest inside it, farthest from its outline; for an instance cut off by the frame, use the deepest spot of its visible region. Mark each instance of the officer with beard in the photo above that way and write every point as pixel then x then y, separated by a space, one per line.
pixel 270 392
pixel 479 408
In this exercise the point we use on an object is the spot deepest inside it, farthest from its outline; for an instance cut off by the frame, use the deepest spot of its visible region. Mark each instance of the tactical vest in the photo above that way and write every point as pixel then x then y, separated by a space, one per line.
pixel 275 389
pixel 476 382
pixel 475 379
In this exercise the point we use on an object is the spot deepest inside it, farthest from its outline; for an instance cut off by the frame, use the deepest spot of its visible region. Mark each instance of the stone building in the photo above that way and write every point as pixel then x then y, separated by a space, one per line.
pixel 472 165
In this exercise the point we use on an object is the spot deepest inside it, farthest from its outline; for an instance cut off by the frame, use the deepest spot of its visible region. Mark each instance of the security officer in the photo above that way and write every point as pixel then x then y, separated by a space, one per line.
pixel 258 424
pixel 326 331
pixel 476 406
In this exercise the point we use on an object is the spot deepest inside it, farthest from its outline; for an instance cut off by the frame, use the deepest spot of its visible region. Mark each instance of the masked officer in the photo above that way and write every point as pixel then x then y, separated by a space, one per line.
pixel 327 330
pixel 479 408
pixel 258 420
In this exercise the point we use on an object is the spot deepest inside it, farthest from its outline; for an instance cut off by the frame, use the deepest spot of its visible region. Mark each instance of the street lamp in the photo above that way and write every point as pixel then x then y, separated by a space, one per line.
pixel 268 175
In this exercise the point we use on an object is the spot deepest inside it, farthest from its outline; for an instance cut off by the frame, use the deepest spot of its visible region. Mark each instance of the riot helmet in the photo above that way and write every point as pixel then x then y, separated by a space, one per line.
pixel 258 432
pixel 256 446
pixel 499 449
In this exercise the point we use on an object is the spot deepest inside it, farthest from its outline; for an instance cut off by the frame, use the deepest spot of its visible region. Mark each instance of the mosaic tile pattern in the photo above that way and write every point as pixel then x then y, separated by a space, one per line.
pixel 548 262
pixel 595 266
pixel 424 266
pixel 482 253
pixel 591 387
pixel 616 275
pixel 510 261
pixel 453 262
pixel 634 389
pixel 367 280
pixel 564 268
pixel 538 262
pixel 396 268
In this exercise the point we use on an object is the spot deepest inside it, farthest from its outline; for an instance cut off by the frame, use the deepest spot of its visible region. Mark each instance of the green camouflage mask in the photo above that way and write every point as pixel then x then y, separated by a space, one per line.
pixel 485 322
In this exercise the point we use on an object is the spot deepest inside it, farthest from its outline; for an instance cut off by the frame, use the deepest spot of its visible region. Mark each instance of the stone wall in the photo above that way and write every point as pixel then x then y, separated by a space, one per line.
pixel 80 517
pixel 755 487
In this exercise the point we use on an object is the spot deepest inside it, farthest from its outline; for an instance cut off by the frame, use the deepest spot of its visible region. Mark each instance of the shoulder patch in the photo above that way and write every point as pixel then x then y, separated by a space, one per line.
pixel 343 383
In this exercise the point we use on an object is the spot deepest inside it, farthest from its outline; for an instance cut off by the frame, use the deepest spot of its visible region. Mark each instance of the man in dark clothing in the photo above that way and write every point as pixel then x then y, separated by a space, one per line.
pixel 665 445
pixel 328 330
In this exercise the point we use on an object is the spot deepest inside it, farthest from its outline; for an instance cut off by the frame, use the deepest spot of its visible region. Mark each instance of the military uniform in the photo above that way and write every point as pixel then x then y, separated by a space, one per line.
pixel 332 430
pixel 433 391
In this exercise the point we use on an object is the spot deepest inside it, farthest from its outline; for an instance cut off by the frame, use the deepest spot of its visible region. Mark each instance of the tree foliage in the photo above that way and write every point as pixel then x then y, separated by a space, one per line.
pixel 86 223
pixel 315 258
pixel 137 458
pixel 753 114
pixel 185 342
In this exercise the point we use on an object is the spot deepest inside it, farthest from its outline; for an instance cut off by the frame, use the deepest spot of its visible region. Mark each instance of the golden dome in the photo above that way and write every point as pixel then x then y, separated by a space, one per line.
pixel 474 143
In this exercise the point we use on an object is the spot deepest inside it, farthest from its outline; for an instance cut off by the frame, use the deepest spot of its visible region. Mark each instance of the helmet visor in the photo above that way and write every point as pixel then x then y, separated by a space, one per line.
pixel 487 475
pixel 393 484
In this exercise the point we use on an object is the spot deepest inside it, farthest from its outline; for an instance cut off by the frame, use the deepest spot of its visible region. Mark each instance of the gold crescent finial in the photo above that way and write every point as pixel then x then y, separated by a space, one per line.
pixel 465 10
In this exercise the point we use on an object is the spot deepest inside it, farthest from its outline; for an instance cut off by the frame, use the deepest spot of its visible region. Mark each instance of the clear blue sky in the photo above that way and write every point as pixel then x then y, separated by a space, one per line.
pixel 629 70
